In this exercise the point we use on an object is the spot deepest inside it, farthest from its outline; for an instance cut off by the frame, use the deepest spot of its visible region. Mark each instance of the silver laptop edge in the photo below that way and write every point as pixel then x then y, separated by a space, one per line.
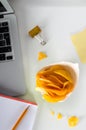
pixel 7 7
pixel 12 79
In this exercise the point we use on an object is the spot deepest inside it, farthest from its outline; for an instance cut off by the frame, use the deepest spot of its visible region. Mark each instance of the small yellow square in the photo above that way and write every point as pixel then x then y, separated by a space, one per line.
pixel 79 41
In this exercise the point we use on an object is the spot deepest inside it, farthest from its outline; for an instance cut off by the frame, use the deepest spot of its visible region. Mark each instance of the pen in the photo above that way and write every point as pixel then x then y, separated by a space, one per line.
pixel 20 118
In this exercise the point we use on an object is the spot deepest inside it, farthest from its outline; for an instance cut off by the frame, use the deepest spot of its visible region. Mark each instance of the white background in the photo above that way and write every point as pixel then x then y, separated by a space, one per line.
pixel 58 20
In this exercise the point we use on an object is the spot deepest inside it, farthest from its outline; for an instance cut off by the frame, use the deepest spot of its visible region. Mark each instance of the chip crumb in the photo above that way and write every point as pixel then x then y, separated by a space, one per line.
pixel 73 121
pixel 41 55
pixel 59 116
pixel 52 112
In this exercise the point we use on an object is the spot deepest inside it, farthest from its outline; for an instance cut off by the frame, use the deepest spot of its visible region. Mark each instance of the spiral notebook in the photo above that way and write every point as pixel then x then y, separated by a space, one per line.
pixel 10 111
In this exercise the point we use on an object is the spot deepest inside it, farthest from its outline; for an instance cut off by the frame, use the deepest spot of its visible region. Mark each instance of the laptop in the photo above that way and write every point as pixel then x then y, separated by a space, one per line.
pixel 12 80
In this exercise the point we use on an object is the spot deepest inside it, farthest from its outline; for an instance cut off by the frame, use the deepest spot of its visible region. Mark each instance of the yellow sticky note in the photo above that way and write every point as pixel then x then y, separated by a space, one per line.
pixel 79 41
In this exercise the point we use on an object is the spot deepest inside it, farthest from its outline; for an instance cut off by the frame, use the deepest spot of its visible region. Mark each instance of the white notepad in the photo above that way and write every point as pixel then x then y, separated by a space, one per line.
pixel 10 111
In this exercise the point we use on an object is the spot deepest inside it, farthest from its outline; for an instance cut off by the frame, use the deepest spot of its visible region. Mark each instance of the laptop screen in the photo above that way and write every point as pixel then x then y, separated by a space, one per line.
pixel 2 8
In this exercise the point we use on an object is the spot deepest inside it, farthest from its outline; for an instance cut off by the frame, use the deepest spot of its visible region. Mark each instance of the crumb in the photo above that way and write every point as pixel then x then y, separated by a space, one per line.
pixel 59 116
pixel 52 112
pixel 73 121
pixel 41 55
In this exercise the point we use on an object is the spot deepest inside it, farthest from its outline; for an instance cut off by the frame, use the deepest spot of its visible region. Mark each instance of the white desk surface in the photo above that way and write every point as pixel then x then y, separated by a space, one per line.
pixel 57 22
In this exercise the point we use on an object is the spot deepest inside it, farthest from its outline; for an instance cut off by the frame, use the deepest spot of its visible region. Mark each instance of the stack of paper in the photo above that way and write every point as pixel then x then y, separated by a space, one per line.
pixel 10 111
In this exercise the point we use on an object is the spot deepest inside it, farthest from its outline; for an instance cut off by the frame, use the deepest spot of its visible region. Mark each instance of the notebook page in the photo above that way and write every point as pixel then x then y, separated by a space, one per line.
pixel 10 111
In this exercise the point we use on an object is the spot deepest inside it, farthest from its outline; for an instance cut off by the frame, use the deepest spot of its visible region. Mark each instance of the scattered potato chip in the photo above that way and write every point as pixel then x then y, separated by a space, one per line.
pixel 59 116
pixel 73 121
pixel 52 112
pixel 41 56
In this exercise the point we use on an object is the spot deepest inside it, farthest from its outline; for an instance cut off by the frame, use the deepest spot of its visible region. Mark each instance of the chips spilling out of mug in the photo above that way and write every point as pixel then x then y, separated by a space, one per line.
pixel 55 82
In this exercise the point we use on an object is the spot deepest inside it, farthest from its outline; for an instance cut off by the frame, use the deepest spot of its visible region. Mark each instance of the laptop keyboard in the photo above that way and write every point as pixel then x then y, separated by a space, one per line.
pixel 6 53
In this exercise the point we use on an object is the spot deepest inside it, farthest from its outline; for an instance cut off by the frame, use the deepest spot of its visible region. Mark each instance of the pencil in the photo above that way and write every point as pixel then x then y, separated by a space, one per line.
pixel 20 118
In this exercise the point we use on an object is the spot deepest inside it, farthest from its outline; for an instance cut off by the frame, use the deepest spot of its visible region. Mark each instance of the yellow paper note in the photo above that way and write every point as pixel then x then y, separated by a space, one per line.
pixel 79 41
